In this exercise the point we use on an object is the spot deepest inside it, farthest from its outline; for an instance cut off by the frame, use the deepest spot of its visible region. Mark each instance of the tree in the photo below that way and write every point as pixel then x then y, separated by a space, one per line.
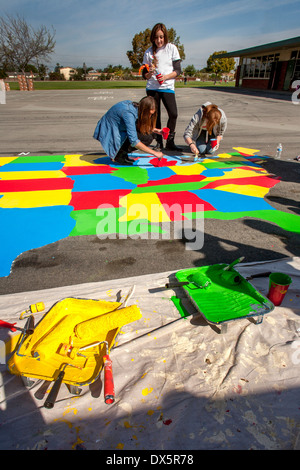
pixel 219 66
pixel 141 42
pixel 20 43
pixel 190 71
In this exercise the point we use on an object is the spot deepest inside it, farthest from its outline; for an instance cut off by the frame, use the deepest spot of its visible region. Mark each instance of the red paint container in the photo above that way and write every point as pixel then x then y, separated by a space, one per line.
pixel 279 284
pixel 159 78
pixel 213 143
pixel 165 132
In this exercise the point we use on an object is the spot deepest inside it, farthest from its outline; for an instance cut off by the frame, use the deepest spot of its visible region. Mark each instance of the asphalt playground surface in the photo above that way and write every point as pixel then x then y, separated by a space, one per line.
pixel 62 122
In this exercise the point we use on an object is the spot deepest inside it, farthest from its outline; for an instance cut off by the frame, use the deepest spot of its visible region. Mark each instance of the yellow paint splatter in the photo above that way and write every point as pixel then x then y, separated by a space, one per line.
pixel 64 421
pixel 120 446
pixel 150 412
pixel 69 410
pixel 146 391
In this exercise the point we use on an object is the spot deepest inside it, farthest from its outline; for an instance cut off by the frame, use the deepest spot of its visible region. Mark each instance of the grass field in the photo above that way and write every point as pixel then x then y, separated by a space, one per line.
pixel 98 84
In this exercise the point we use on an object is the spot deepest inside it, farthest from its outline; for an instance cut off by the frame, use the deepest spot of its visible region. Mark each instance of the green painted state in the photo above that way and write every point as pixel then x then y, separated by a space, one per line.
pixel 135 175
pixel 171 188
pixel 42 159
pixel 107 223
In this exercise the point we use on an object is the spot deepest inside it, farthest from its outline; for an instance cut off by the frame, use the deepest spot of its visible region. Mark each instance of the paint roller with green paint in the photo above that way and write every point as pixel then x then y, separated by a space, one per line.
pixel 199 280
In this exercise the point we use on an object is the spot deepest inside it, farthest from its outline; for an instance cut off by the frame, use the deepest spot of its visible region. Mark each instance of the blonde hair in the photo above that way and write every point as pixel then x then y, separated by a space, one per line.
pixel 213 115
pixel 146 121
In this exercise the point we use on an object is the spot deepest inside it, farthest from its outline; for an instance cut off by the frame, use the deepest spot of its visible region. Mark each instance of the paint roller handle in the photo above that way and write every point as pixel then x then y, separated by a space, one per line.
pixel 49 403
pixel 10 326
pixel 170 285
pixel 267 274
pixel 109 389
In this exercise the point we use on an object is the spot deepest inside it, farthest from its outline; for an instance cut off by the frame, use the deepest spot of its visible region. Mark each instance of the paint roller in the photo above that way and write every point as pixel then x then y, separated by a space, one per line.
pixel 199 280
pixel 90 329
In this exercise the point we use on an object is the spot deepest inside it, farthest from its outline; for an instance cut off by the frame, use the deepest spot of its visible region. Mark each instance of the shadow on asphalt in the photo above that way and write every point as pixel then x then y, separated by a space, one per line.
pixel 274 94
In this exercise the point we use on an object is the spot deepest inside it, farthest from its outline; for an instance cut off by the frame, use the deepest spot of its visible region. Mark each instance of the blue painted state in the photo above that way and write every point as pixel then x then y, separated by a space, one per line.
pixel 26 229
pixel 43 166
pixel 99 182
pixel 159 173
pixel 225 201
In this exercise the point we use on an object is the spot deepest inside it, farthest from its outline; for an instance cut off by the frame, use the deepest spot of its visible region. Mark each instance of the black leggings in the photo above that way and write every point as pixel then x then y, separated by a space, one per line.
pixel 169 102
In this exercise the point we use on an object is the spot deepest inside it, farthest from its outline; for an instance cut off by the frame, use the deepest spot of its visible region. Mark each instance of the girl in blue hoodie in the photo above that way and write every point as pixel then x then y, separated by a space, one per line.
pixel 128 126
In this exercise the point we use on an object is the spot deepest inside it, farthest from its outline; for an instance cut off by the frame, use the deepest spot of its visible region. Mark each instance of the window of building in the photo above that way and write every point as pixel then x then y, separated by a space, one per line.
pixel 258 67
pixel 296 56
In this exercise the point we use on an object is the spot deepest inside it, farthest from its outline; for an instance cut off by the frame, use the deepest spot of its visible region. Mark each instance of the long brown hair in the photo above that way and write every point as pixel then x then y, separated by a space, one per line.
pixel 158 27
pixel 146 121
pixel 212 115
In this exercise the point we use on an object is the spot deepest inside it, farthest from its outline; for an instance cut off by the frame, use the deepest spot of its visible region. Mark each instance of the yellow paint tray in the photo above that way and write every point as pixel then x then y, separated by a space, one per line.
pixel 69 334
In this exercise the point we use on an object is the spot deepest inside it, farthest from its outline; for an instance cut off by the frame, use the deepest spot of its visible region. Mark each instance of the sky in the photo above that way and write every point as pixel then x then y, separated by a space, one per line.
pixel 100 32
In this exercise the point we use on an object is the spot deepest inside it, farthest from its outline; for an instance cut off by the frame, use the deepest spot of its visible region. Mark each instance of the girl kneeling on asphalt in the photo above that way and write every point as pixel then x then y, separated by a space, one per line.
pixel 208 123
pixel 128 126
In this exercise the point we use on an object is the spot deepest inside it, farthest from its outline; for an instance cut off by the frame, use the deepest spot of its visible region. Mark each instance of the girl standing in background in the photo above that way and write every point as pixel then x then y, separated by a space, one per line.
pixel 162 59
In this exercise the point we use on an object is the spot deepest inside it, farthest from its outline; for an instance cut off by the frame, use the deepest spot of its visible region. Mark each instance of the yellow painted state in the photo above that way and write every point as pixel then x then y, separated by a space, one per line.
pixel 6 160
pixel 195 169
pixel 245 150
pixel 247 190
pixel 237 173
pixel 28 199
pixel 143 206
pixel 31 175
pixel 78 160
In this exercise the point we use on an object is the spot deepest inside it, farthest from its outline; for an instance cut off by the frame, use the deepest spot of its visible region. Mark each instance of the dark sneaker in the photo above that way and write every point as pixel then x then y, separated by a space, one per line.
pixel 158 147
pixel 123 160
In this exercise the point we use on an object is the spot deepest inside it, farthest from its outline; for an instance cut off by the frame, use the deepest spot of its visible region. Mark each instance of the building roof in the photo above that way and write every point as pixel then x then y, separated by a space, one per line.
pixel 272 46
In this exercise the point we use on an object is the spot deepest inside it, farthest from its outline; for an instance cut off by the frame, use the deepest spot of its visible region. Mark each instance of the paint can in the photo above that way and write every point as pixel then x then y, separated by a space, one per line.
pixel 213 143
pixel 165 132
pixel 278 286
pixel 159 78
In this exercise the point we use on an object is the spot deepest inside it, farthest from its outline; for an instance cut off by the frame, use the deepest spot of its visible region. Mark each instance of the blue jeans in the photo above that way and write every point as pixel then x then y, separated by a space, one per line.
pixel 202 146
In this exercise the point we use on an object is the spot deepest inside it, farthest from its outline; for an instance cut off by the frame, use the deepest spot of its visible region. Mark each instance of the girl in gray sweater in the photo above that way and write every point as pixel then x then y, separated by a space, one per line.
pixel 208 123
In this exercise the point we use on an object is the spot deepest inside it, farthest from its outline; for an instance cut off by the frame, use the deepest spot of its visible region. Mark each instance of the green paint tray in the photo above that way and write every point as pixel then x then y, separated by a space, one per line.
pixel 221 294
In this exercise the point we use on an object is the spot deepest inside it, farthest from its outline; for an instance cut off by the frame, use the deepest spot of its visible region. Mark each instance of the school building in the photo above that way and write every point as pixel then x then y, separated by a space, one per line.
pixel 273 66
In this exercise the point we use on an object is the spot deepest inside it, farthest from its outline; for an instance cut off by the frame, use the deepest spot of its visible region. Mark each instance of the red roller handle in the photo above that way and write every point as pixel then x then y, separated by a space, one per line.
pixel 109 388
pixel 10 326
